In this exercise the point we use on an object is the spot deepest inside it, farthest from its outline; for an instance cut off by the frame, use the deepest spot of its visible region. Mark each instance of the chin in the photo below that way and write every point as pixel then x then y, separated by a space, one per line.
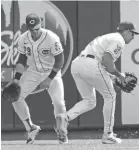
pixel 128 42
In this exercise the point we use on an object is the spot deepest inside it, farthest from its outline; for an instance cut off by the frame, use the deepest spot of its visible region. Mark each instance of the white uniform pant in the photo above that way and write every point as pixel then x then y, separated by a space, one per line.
pixel 29 81
pixel 89 75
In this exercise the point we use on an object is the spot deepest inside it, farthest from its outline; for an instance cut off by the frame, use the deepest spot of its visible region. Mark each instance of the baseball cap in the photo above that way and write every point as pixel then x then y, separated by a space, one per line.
pixel 32 20
pixel 125 25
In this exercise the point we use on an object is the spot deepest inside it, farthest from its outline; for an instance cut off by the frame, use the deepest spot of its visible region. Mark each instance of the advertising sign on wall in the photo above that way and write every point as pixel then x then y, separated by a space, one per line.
pixel 13 14
pixel 130 63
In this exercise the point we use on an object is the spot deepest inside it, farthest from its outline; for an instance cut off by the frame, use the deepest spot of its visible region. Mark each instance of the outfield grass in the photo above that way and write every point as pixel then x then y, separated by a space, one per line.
pixel 89 144
pixel 78 140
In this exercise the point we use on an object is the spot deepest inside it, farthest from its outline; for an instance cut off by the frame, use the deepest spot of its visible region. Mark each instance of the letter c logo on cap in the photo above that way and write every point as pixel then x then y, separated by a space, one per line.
pixel 32 21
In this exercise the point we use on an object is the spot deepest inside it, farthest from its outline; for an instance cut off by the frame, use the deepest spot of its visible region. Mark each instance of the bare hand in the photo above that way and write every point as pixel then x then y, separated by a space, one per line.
pixel 122 78
pixel 16 81
pixel 45 84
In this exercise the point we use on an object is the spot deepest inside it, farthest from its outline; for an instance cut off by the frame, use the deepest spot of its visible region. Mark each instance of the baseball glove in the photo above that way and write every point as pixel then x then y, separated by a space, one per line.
pixel 11 92
pixel 130 82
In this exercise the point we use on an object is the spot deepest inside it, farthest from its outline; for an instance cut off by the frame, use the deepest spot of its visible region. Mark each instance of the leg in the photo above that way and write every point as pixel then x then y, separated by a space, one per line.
pixel 107 91
pixel 89 73
pixel 85 89
pixel 28 82
pixel 56 92
pixel 96 76
pixel 88 102
pixel 87 93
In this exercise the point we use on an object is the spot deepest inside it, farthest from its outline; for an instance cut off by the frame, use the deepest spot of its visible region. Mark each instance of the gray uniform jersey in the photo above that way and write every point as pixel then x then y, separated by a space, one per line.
pixel 112 43
pixel 40 53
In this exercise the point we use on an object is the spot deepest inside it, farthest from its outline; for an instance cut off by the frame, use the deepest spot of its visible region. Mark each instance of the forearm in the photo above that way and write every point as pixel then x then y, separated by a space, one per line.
pixel 58 65
pixel 110 67
pixel 112 70
pixel 59 62
pixel 20 66
pixel 109 64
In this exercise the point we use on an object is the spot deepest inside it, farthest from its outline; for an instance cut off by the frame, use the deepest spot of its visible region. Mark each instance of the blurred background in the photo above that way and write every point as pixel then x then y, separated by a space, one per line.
pixel 76 23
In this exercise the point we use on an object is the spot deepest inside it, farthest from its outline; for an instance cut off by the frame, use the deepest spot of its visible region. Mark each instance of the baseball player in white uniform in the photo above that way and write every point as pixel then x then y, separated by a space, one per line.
pixel 93 69
pixel 42 51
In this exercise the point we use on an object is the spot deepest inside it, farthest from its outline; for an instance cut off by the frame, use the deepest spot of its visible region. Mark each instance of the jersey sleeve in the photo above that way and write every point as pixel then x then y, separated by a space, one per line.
pixel 111 46
pixel 21 47
pixel 114 49
pixel 56 47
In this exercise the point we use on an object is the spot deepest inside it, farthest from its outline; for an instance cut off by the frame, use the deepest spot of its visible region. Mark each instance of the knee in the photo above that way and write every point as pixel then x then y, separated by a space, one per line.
pixel 59 103
pixel 91 104
pixel 18 101
pixel 110 97
pixel 59 107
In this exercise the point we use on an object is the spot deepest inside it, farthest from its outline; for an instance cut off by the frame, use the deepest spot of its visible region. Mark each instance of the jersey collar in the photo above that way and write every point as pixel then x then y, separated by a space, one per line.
pixel 121 38
pixel 39 40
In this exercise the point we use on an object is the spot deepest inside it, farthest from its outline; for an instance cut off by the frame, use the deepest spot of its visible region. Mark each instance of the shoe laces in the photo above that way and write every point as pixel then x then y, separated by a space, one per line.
pixel 30 133
pixel 113 135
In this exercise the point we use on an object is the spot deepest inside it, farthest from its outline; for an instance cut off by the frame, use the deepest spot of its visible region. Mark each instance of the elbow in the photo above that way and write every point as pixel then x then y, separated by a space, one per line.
pixel 59 61
pixel 62 63
pixel 110 70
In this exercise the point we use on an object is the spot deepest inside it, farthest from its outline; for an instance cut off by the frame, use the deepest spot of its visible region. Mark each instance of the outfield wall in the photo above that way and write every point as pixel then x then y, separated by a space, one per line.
pixel 130 63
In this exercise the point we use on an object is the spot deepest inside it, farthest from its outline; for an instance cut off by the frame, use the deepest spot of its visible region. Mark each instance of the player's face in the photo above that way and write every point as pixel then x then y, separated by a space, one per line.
pixel 36 32
pixel 129 36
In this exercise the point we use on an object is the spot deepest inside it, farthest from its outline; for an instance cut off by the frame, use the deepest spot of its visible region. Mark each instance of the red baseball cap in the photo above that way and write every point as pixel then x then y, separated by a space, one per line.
pixel 125 25
pixel 32 20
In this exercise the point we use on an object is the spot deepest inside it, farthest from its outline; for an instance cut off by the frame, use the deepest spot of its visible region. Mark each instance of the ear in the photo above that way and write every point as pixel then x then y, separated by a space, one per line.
pixel 125 32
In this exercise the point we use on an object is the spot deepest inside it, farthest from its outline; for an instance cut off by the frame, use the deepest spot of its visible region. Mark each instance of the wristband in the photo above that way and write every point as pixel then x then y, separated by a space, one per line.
pixel 17 75
pixel 52 74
